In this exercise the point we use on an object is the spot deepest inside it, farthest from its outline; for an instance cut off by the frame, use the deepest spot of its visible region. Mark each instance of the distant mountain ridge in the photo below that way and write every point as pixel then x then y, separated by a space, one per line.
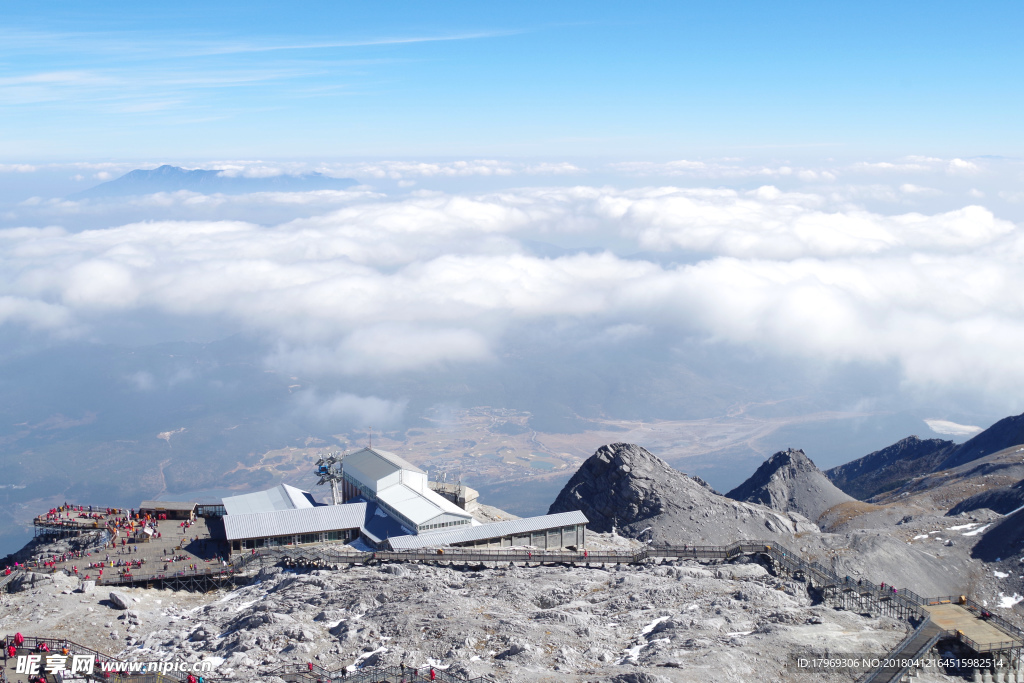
pixel 169 178
pixel 890 467
pixel 895 465
pixel 1003 434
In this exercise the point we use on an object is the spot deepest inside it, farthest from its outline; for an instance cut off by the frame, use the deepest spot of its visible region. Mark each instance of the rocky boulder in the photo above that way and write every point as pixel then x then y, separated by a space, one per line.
pixel 330 615
pixel 120 600
pixel 626 488
pixel 28 580
pixel 789 482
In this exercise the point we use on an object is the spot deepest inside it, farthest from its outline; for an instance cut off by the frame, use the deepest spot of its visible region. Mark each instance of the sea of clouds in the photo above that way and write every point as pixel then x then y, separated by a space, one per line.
pixel 913 264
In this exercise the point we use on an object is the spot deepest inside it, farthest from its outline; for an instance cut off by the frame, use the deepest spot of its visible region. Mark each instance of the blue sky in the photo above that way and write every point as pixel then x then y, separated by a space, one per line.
pixel 615 80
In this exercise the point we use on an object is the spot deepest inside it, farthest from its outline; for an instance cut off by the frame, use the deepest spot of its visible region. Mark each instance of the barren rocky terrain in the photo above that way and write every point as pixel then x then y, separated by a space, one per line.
pixel 679 621
pixel 667 621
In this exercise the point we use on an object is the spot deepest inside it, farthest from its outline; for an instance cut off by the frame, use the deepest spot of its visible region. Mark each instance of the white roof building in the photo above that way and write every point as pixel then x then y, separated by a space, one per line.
pixel 390 503
pixel 291 522
pixel 536 531
pixel 401 490
pixel 281 497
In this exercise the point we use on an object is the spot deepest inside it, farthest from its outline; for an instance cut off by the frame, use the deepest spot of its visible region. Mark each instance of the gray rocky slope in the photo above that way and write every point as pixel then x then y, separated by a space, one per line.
pixel 889 467
pixel 626 488
pixel 675 622
pixel 948 488
pixel 1002 540
pixel 789 482
pixel 1004 500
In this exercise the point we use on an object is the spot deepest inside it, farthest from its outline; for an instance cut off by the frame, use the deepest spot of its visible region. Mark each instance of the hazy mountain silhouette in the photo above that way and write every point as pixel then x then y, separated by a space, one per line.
pixel 169 178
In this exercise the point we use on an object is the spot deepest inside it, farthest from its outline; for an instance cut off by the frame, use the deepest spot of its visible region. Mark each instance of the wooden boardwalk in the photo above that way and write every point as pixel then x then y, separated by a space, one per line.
pixel 984 636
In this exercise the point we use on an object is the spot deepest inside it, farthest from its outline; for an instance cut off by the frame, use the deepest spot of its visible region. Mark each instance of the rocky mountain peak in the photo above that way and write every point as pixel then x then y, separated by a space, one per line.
pixel 618 484
pixel 789 482
pixel 791 458
pixel 627 488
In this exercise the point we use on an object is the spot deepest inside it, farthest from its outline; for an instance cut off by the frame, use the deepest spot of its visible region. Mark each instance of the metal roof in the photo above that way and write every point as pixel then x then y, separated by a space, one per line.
pixel 446 505
pixel 418 506
pixel 302 521
pixel 281 497
pixel 166 505
pixel 368 468
pixel 513 527
pixel 369 460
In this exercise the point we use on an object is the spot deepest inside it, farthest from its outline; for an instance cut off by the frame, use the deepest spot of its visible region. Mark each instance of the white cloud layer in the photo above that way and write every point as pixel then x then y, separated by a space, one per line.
pixel 345 407
pixel 951 428
pixel 379 285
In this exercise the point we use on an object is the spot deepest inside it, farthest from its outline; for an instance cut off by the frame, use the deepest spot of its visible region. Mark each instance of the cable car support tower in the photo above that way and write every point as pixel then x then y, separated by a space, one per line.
pixel 331 471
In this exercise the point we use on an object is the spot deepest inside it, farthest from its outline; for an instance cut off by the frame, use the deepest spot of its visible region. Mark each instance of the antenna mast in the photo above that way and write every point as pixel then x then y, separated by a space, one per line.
pixel 331 471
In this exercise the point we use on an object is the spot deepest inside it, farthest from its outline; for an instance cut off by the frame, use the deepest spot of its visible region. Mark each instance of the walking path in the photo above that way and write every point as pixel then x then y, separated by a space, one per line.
pixel 66 650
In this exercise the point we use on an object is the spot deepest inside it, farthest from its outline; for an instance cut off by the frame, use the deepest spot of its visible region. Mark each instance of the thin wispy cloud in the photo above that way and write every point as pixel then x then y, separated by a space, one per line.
pixel 371 42
pixel 58 77
pixel 156 74
pixel 150 43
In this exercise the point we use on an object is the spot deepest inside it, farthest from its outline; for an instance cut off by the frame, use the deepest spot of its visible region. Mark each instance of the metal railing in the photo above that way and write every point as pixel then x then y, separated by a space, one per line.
pixel 1016 634
pixel 208 572
pixel 376 674
pixel 6 579
pixel 889 673
pixel 79 523
pixel 56 646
